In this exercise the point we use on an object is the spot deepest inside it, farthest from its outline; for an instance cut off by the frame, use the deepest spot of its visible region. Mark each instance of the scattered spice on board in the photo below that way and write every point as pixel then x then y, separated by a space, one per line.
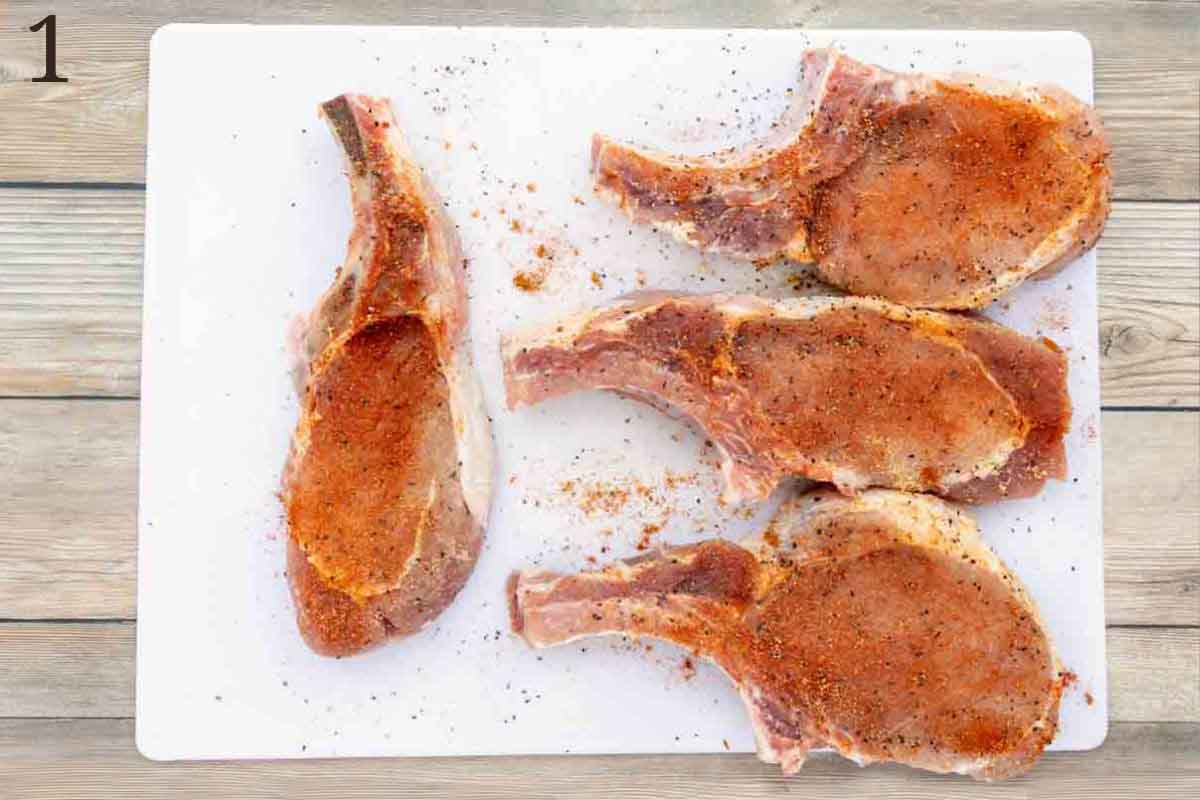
pixel 648 531
pixel 530 280
pixel 608 499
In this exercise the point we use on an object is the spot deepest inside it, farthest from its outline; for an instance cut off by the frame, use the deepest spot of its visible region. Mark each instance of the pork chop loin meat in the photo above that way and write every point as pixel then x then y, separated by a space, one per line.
pixel 853 391
pixel 388 480
pixel 938 192
pixel 879 625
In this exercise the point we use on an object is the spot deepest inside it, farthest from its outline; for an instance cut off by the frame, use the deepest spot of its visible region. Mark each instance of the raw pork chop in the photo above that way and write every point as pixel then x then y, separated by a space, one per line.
pixel 854 391
pixel 878 625
pixel 942 192
pixel 389 477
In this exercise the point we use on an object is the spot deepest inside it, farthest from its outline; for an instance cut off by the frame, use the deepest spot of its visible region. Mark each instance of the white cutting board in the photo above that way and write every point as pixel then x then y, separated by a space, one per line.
pixel 247 216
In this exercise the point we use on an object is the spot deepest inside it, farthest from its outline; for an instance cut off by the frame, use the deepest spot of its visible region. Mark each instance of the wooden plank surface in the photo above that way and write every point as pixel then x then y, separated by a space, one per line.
pixel 67 531
pixel 70 291
pixel 68 670
pixel 1154 674
pixel 93 128
pixel 70 297
pixel 1149 262
pixel 57 759
pixel 1151 517
pixel 68 517
pixel 86 670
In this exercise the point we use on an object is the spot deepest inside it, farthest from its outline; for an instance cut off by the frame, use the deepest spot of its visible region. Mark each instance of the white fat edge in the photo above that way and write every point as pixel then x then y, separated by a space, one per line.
pixel 473 435
pixel 681 230
pixel 1048 251
pixel 766 750
pixel 414 555
pixel 1050 248
pixel 998 87
pixel 926 521
pixel 559 333
pixel 733 490
pixel 738 308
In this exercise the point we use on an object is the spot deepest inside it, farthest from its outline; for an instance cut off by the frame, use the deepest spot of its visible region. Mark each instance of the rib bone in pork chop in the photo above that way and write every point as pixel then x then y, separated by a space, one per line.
pixel 941 192
pixel 878 625
pixel 854 391
pixel 389 477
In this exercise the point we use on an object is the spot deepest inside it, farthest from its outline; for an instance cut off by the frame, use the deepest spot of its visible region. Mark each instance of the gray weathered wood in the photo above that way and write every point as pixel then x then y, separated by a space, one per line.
pixel 67 528
pixel 1149 261
pixel 70 297
pixel 1151 517
pixel 1154 674
pixel 70 291
pixel 66 670
pixel 93 128
pixel 67 518
pixel 86 670
pixel 57 759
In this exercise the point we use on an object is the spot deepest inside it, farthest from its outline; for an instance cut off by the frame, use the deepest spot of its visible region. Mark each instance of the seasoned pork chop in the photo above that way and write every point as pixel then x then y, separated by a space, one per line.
pixel 938 192
pixel 878 625
pixel 388 480
pixel 853 391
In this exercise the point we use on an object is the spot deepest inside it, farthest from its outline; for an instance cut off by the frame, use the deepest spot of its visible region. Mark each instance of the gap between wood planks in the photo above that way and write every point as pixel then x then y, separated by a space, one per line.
pixel 93 128
pixel 57 758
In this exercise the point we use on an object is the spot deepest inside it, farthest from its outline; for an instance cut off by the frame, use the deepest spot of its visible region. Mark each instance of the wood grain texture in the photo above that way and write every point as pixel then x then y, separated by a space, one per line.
pixel 1149 264
pixel 66 670
pixel 1151 517
pixel 93 128
pixel 70 291
pixel 87 670
pixel 59 759
pixel 70 297
pixel 68 516
pixel 68 529
pixel 1154 674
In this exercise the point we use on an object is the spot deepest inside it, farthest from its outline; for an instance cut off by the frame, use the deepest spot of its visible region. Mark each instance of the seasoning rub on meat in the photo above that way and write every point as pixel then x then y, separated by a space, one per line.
pixel 878 625
pixel 935 192
pixel 853 391
pixel 388 481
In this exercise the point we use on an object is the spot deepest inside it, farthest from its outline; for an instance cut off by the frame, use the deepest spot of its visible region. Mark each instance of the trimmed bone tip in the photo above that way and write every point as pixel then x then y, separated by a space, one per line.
pixel 599 140
pixel 516 617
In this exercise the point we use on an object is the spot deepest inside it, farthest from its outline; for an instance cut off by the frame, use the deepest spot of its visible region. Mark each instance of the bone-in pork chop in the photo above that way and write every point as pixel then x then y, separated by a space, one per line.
pixel 878 625
pixel 854 391
pixel 938 192
pixel 388 480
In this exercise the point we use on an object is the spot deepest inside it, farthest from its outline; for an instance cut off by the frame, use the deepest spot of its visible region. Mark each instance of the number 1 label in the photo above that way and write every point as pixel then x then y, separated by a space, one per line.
pixel 51 75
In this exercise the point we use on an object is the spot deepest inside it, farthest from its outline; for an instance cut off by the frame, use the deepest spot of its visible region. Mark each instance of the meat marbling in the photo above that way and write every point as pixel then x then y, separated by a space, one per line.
pixel 388 480
pixel 878 625
pixel 853 391
pixel 938 192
